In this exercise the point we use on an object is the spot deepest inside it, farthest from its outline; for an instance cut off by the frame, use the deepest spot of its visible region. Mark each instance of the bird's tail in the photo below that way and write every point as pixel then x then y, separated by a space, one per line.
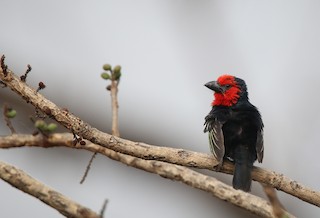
pixel 242 176
pixel 242 171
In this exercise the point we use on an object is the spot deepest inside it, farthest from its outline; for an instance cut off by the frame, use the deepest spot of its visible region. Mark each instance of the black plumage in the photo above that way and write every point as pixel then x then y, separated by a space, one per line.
pixel 235 128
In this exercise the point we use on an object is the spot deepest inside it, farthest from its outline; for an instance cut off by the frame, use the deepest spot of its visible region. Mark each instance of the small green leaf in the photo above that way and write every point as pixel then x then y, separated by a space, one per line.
pixel 51 127
pixel 11 113
pixel 40 124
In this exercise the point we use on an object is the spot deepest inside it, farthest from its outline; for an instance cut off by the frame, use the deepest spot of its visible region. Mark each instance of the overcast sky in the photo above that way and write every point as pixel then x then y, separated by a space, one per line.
pixel 168 50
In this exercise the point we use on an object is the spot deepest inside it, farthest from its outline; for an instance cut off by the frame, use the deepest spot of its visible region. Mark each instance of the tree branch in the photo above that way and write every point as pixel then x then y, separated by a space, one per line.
pixel 197 180
pixel 26 183
pixel 145 151
pixel 277 207
pixel 115 106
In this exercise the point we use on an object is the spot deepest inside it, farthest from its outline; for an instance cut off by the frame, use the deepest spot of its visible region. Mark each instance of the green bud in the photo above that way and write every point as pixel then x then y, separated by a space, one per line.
pixel 11 113
pixel 40 124
pixel 105 76
pixel 116 75
pixel 117 69
pixel 52 127
pixel 107 67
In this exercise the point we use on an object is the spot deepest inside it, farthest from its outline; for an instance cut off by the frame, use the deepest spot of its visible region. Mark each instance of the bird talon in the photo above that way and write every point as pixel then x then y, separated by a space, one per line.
pixel 217 167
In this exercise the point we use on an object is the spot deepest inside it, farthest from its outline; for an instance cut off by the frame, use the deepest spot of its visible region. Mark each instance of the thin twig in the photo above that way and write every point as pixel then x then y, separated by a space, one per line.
pixel 103 209
pixel 277 208
pixel 115 127
pixel 6 109
pixel 24 77
pixel 54 199
pixel 88 168
pixel 115 106
pixel 4 67
pixel 41 85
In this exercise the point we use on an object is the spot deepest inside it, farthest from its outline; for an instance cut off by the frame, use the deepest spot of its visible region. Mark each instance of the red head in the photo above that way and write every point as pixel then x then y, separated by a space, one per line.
pixel 228 90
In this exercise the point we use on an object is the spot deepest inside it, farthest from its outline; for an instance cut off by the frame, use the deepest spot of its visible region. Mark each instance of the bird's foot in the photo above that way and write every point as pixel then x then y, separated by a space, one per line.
pixel 217 167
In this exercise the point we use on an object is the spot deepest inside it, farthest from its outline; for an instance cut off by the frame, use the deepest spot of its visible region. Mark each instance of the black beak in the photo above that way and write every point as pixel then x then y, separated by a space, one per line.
pixel 213 85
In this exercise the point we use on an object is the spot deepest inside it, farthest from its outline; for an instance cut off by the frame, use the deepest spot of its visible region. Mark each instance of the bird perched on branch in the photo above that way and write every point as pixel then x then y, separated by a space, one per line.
pixel 235 128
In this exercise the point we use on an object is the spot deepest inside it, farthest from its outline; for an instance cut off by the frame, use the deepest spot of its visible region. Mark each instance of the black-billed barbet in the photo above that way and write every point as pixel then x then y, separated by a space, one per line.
pixel 235 128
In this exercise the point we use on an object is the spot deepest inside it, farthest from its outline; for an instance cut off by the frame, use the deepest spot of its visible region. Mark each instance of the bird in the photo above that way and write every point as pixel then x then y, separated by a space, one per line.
pixel 235 128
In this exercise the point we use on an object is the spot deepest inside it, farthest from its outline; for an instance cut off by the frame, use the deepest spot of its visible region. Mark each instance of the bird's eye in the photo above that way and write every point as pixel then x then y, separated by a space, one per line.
pixel 227 86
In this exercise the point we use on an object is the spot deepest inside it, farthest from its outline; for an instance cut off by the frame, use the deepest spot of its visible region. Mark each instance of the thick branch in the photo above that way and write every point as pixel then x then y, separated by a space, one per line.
pixel 197 180
pixel 145 151
pixel 24 182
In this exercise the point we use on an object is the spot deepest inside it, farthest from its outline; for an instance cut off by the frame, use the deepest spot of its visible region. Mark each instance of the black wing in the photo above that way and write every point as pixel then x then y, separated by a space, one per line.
pixel 216 138
pixel 256 118
pixel 259 145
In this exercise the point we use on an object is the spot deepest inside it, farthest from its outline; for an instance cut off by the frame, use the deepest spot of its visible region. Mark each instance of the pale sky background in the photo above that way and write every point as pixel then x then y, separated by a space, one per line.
pixel 167 49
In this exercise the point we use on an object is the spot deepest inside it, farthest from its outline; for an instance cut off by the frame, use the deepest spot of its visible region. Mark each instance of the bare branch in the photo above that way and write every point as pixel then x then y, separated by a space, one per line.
pixel 115 122
pixel 197 180
pixel 88 167
pixel 56 200
pixel 103 209
pixel 115 106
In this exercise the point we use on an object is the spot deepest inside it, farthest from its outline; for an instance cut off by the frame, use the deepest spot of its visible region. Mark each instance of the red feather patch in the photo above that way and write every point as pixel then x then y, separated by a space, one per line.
pixel 226 80
pixel 230 96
